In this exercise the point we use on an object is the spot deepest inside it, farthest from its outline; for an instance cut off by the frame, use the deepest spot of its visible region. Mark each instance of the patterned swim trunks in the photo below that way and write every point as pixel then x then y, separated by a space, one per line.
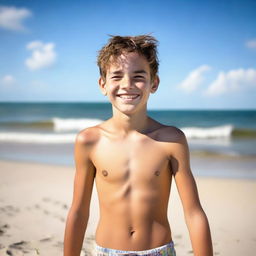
pixel 164 250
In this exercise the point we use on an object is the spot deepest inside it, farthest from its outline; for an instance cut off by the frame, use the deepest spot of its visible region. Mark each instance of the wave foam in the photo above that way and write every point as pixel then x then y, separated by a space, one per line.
pixel 49 138
pixel 73 124
pixel 37 137
pixel 206 133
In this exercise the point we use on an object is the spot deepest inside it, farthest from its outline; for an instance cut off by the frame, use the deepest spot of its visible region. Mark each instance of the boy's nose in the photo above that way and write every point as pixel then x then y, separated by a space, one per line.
pixel 126 83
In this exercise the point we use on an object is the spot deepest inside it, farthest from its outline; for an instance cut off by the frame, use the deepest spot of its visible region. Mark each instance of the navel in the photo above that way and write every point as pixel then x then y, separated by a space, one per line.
pixel 105 173
pixel 132 232
pixel 157 173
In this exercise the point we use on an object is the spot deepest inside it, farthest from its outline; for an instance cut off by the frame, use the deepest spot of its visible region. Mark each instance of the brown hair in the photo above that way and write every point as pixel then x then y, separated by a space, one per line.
pixel 143 44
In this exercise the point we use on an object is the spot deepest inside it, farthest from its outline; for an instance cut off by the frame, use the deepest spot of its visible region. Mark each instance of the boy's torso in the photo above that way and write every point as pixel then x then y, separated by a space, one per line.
pixel 133 179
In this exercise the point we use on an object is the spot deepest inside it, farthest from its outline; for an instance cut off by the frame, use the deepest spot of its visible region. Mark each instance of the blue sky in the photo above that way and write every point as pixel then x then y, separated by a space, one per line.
pixel 207 50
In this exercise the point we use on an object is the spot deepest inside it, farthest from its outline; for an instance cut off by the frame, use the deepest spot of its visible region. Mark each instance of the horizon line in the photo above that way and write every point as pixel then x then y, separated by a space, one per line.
pixel 105 102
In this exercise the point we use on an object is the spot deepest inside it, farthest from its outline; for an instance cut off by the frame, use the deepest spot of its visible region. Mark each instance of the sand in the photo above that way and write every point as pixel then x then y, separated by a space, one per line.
pixel 35 198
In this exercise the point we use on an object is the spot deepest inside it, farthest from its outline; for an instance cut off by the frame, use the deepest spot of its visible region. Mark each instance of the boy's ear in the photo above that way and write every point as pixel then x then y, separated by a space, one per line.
pixel 102 86
pixel 155 84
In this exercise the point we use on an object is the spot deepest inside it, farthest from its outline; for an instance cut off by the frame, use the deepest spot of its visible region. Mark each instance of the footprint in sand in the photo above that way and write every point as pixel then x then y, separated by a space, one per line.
pixel 46 239
pixel 59 244
pixel 46 199
pixel 57 204
pixel 62 219
pixel 46 212
pixel 21 248
pixel 3 229
pixel 9 210
pixel 37 206
pixel 64 206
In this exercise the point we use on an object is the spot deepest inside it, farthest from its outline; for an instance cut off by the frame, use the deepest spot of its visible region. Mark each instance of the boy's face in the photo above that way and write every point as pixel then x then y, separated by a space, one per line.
pixel 128 82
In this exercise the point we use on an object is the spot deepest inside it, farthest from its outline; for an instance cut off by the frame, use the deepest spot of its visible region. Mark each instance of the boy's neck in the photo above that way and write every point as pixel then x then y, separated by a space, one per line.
pixel 125 124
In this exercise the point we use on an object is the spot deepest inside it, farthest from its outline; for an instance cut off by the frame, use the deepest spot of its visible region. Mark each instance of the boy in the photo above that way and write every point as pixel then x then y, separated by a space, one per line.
pixel 132 159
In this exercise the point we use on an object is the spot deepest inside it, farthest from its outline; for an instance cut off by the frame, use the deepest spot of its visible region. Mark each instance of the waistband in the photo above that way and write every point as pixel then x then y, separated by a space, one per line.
pixel 164 250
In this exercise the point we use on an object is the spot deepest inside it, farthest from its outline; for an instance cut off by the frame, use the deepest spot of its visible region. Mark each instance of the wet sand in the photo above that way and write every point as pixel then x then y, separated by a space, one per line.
pixel 35 198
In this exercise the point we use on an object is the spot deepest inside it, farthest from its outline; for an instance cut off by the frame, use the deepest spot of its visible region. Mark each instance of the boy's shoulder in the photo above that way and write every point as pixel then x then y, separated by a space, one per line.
pixel 168 133
pixel 175 143
pixel 88 136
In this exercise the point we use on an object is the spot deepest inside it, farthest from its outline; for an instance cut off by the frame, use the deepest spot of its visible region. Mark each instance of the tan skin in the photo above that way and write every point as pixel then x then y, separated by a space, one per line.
pixel 132 159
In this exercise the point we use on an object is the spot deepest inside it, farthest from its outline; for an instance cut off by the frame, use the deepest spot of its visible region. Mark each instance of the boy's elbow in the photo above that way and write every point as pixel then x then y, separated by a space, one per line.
pixel 197 223
pixel 196 213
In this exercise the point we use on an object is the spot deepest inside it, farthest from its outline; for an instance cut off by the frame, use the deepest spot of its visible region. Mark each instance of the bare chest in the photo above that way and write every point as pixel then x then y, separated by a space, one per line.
pixel 138 161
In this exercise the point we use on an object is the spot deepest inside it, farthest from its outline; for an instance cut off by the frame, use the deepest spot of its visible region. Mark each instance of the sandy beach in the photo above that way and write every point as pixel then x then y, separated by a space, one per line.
pixel 35 198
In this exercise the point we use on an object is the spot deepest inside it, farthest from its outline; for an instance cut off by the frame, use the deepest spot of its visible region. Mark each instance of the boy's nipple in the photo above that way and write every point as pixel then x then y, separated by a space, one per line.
pixel 105 173
pixel 157 173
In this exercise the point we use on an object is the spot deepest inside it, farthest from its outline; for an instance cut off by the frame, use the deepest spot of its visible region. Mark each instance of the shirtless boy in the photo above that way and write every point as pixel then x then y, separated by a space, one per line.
pixel 132 159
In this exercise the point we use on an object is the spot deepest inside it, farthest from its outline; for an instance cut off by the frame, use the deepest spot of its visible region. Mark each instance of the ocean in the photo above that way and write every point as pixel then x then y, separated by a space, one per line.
pixel 45 132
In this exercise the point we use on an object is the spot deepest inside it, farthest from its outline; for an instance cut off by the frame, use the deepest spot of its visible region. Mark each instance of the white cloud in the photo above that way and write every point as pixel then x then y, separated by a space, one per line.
pixel 8 80
pixel 43 55
pixel 251 44
pixel 11 18
pixel 232 81
pixel 194 79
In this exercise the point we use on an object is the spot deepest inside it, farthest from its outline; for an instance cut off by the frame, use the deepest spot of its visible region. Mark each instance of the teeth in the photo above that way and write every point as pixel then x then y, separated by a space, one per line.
pixel 128 96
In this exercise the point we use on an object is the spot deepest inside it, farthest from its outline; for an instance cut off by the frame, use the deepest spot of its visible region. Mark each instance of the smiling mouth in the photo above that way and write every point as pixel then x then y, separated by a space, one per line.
pixel 128 97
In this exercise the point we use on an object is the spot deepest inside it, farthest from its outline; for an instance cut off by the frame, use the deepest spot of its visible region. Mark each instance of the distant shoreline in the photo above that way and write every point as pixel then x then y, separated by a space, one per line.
pixel 108 103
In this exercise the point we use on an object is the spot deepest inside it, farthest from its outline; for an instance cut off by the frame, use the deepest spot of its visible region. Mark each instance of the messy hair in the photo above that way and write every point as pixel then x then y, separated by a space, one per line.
pixel 144 45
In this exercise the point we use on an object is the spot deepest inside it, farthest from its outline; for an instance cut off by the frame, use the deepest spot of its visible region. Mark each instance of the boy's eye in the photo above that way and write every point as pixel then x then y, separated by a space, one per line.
pixel 116 77
pixel 139 77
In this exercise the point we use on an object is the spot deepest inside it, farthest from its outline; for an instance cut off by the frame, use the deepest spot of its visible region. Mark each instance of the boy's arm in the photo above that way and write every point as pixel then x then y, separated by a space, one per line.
pixel 83 184
pixel 195 217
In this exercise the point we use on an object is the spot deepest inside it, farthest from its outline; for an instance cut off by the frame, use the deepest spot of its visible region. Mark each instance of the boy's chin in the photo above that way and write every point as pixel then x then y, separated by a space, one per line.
pixel 127 109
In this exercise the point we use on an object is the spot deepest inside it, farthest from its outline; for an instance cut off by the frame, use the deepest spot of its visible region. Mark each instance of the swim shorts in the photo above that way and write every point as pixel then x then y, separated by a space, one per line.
pixel 164 250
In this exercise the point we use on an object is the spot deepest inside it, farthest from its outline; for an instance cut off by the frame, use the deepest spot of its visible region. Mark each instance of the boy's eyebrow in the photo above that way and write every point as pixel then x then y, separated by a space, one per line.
pixel 118 72
pixel 140 71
